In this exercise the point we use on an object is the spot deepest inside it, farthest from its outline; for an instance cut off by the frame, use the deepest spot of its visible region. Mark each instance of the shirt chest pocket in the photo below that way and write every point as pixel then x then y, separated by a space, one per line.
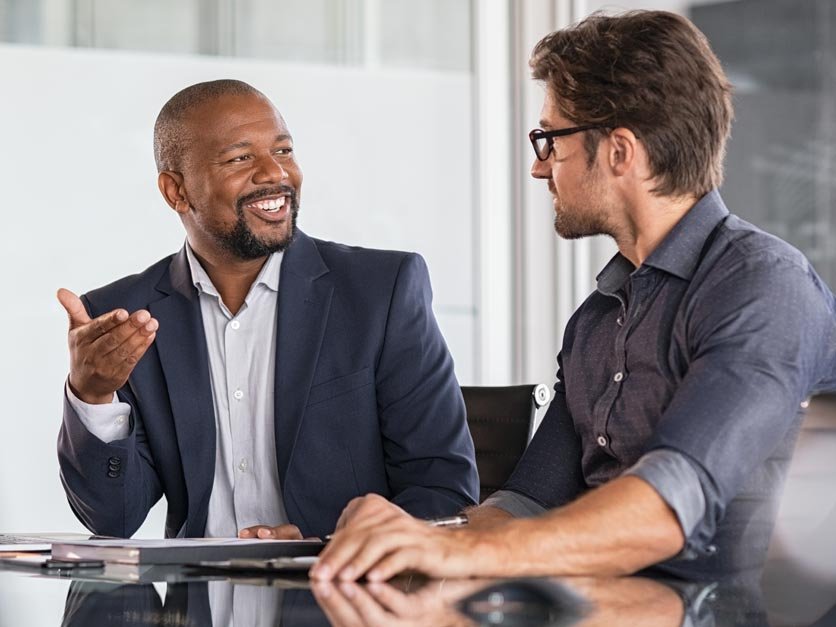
pixel 339 386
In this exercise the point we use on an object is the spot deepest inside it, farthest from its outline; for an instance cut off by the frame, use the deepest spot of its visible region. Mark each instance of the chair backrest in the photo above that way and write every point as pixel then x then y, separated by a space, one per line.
pixel 501 421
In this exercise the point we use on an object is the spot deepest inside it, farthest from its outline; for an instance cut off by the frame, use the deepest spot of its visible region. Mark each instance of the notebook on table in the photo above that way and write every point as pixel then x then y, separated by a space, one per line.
pixel 183 550
pixel 37 542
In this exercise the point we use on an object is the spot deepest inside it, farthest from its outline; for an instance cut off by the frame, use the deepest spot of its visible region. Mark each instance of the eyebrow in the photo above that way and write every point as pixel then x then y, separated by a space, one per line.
pixel 246 144
pixel 545 125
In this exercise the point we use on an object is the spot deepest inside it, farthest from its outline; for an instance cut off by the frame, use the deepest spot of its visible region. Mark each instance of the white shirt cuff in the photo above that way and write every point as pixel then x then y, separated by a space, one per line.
pixel 109 422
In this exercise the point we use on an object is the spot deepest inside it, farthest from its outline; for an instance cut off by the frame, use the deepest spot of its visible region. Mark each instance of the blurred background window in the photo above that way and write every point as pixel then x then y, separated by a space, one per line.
pixel 148 25
pixel 323 31
pixel 431 34
pixel 781 162
pixel 410 38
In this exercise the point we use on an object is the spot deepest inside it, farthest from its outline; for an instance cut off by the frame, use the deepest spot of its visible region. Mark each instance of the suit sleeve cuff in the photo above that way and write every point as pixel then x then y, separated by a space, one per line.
pixel 516 504
pixel 108 422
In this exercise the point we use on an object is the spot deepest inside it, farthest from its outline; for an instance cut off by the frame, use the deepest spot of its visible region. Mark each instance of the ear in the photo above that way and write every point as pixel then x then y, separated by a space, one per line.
pixel 623 151
pixel 172 188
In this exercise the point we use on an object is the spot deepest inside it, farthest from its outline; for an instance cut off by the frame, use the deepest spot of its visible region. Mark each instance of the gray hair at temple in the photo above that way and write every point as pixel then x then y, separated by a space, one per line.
pixel 171 136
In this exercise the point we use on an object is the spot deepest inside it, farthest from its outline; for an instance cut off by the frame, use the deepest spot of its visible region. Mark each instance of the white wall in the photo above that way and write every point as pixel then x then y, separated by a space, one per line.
pixel 387 162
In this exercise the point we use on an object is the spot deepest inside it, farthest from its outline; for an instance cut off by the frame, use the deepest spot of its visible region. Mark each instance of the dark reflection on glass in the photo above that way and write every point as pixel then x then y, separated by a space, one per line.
pixel 525 602
pixel 583 602
pixel 650 599
pixel 102 604
pixel 190 604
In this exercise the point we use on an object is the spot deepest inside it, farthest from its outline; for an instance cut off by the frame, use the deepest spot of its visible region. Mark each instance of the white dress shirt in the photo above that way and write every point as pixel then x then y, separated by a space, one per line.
pixel 246 490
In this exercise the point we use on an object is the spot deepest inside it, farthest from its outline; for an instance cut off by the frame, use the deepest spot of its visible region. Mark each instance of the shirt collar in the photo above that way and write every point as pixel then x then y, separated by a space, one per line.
pixel 268 277
pixel 679 253
pixel 614 274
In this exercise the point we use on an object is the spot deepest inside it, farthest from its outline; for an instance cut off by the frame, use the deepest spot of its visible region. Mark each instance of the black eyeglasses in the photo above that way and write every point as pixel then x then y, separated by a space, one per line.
pixel 543 141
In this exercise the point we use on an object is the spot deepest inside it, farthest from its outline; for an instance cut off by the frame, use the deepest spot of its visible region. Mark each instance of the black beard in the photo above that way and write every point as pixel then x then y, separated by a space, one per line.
pixel 242 243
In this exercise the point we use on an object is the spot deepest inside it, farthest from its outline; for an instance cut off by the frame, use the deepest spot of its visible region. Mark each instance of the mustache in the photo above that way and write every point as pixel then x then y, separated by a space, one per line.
pixel 264 193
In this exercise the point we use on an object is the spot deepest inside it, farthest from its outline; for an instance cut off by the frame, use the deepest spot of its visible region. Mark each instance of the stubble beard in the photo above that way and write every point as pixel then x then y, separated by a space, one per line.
pixel 587 217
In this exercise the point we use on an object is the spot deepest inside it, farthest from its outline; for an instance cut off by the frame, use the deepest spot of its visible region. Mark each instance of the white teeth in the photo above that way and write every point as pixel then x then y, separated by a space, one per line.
pixel 270 206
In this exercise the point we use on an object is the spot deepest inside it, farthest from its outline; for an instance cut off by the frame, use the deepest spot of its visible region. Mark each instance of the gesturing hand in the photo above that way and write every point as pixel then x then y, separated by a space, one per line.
pixel 104 350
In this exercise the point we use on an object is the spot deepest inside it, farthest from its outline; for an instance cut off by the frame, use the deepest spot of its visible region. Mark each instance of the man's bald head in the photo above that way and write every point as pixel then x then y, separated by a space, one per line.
pixel 171 134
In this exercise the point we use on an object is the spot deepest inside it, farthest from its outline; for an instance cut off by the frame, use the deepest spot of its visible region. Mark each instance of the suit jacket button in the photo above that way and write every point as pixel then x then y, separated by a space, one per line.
pixel 116 461
pixel 112 474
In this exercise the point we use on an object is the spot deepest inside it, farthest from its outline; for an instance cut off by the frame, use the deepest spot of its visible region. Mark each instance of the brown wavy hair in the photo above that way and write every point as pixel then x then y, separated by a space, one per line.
pixel 654 73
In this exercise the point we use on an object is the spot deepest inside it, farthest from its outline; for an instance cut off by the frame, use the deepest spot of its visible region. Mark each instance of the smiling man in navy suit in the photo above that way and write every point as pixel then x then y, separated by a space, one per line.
pixel 259 378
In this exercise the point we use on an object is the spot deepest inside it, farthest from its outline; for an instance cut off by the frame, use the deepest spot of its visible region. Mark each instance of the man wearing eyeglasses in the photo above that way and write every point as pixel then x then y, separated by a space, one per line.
pixel 259 378
pixel 680 377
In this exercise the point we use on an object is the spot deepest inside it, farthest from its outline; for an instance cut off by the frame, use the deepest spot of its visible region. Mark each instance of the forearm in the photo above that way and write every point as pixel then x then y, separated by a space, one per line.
pixel 613 530
pixel 616 529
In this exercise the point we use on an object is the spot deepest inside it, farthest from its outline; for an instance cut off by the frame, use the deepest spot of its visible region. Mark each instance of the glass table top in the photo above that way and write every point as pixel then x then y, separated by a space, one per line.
pixel 119 595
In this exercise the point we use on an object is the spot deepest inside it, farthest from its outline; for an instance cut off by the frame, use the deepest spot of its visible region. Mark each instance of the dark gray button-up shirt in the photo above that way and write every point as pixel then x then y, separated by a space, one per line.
pixel 696 363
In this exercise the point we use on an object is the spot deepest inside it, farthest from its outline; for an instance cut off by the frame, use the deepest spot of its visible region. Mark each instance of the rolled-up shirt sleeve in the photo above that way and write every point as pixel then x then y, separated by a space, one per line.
pixel 108 422
pixel 678 481
pixel 516 504
pixel 683 485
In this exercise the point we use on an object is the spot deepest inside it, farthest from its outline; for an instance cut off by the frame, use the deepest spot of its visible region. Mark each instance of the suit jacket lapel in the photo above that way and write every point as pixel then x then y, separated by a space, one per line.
pixel 304 302
pixel 181 344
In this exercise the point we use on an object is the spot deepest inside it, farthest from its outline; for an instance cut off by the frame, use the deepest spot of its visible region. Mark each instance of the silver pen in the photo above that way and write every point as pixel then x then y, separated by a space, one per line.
pixel 449 521
pixel 458 520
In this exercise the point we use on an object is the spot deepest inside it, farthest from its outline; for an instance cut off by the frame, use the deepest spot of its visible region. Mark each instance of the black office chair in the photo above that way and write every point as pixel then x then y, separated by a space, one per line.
pixel 501 421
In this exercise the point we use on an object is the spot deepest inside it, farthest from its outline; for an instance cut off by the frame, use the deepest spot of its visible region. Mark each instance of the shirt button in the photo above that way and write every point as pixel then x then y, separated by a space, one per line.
pixel 618 377
pixel 238 394
pixel 120 420
pixel 602 440
pixel 242 466
pixel 235 324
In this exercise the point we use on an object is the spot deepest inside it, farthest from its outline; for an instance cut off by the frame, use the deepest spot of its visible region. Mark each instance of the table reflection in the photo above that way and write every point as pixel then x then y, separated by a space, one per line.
pixel 417 602
pixel 198 604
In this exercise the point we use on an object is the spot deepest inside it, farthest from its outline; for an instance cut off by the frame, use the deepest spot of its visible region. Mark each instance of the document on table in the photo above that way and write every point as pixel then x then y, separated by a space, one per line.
pixel 184 550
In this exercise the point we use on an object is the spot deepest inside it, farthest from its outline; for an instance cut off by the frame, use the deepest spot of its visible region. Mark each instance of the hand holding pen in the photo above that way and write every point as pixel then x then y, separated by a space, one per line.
pixel 458 520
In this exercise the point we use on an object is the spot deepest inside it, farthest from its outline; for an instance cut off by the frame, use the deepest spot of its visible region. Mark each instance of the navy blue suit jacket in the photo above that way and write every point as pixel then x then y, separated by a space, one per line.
pixel 366 398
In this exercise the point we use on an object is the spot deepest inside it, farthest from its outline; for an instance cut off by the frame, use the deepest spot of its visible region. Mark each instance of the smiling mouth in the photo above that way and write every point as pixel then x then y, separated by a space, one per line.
pixel 268 205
